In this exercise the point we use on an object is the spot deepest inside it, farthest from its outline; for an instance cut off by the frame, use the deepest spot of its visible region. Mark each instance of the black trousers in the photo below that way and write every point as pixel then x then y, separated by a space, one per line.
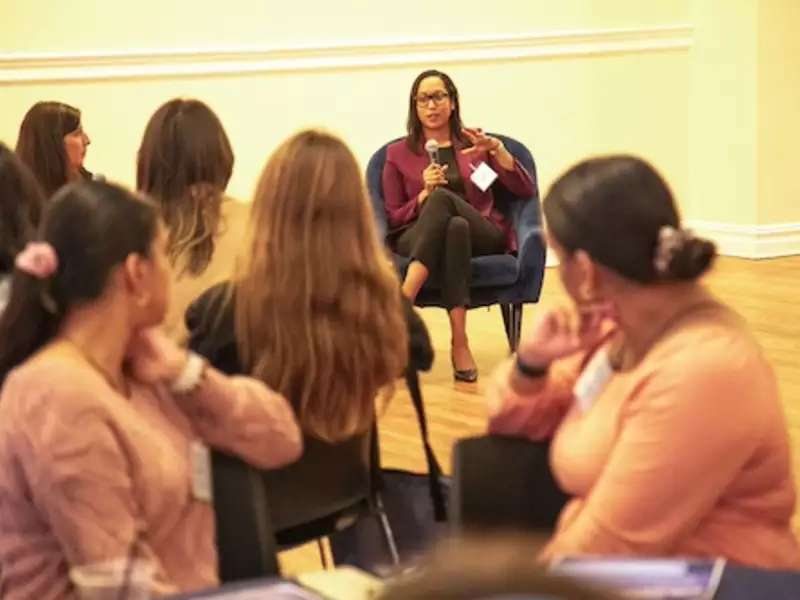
pixel 445 236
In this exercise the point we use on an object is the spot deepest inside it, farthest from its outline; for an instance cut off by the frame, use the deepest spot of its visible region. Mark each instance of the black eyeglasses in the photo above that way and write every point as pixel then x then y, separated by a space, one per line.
pixel 437 97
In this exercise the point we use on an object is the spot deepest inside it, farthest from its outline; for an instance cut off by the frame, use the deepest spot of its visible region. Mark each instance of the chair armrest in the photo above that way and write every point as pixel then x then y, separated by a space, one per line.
pixel 375 189
pixel 532 253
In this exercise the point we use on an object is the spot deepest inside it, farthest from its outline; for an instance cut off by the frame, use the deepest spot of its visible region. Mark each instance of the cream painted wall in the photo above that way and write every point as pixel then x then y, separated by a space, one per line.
pixel 779 111
pixel 85 25
pixel 715 112
pixel 563 107
pixel 744 120
pixel 723 112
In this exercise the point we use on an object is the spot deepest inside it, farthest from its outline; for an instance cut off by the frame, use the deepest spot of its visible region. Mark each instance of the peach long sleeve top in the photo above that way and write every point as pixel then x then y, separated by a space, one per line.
pixel 686 454
pixel 86 473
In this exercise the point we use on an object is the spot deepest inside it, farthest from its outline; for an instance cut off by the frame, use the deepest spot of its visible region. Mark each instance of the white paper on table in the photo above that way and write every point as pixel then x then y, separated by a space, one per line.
pixel 273 591
pixel 343 583
pixel 652 578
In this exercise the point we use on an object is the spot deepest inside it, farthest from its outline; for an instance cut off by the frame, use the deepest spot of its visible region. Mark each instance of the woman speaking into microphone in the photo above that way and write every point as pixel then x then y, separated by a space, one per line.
pixel 437 214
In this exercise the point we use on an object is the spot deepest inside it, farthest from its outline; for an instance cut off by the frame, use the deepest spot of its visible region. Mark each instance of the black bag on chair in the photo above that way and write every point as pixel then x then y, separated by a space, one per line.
pixel 415 504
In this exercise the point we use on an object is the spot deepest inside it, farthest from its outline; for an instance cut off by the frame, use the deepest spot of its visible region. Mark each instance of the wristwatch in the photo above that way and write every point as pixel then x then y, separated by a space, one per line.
pixel 191 375
pixel 532 371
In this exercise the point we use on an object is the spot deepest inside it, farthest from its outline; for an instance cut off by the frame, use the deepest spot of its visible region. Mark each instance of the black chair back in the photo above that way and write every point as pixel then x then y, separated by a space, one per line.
pixel 323 492
pixel 246 546
pixel 504 483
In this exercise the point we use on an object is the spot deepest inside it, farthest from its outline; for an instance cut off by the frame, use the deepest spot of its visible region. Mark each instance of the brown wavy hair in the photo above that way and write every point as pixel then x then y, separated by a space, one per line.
pixel 184 163
pixel 318 310
pixel 40 144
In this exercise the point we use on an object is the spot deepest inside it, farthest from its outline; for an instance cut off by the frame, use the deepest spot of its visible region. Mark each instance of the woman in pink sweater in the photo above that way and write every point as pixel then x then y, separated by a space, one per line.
pixel 104 423
pixel 665 417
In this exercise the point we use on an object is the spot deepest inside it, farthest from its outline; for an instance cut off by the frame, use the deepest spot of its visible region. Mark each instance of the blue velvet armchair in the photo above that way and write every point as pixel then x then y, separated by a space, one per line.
pixel 506 279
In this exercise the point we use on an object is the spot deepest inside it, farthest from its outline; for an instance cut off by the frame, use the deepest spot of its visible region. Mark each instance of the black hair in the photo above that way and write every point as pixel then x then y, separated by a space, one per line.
pixel 614 208
pixel 21 203
pixel 415 139
pixel 92 227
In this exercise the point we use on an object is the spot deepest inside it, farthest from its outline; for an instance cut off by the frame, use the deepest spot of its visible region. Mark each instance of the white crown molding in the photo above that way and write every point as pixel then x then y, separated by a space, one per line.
pixel 751 241
pixel 22 68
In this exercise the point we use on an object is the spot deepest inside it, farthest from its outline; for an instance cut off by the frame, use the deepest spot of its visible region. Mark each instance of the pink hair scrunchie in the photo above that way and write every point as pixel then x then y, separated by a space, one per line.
pixel 38 259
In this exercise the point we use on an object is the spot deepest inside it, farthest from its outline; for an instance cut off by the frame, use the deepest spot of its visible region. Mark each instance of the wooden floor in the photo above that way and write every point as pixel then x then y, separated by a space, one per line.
pixel 765 292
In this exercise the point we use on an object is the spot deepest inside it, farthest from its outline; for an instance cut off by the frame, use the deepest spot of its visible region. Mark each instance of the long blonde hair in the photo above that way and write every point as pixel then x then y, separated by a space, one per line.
pixel 317 304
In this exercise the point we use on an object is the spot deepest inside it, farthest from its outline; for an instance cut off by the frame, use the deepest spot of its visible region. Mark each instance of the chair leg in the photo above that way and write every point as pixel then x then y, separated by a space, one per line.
pixel 512 320
pixel 516 331
pixel 322 556
pixel 386 527
pixel 506 311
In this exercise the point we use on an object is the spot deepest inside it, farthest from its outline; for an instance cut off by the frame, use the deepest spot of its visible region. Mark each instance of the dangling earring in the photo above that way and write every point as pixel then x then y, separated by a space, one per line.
pixel 586 294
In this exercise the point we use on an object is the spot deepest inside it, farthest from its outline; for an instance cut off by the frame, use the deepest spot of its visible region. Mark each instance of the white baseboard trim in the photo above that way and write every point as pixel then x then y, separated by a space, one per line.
pixel 741 241
pixel 751 241
pixel 26 68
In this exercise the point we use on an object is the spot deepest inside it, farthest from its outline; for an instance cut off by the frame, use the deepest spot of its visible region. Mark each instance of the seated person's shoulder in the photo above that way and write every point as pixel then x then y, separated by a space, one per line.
pixel 212 331
pixel 722 341
pixel 231 207
pixel 52 382
pixel 397 149
pixel 206 309
pixel 715 364
pixel 235 218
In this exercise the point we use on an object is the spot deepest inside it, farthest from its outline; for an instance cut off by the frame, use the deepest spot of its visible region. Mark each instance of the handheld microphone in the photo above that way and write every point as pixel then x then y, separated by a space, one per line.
pixel 432 148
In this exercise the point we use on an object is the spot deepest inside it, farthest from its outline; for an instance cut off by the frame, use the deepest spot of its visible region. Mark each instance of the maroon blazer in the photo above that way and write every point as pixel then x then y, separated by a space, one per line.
pixel 402 183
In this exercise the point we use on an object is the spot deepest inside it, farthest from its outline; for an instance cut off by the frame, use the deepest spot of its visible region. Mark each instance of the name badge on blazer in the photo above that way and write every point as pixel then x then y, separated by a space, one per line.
pixel 483 176
pixel 592 380
pixel 200 461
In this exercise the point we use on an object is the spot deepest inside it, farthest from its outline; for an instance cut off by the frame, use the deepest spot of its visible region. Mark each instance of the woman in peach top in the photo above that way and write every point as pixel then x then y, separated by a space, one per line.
pixel 665 417
pixel 103 421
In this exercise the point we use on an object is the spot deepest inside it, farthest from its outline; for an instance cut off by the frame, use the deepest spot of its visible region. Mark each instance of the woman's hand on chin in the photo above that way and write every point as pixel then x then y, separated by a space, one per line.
pixel 560 332
pixel 154 358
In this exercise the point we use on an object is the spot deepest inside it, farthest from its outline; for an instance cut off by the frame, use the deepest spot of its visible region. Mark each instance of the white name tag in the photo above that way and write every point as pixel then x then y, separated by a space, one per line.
pixel 592 380
pixel 200 460
pixel 483 176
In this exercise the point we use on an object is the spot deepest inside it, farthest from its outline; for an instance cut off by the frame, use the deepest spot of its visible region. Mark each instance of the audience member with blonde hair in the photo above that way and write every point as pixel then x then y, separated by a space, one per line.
pixel 184 163
pixel 667 425
pixel 103 420
pixel 315 311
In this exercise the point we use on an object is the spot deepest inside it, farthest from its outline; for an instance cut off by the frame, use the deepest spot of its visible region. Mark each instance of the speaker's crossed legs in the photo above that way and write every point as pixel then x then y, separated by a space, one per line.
pixel 443 240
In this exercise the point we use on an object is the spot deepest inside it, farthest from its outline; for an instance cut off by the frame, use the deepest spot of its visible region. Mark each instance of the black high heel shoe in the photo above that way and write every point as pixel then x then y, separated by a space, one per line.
pixel 463 375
